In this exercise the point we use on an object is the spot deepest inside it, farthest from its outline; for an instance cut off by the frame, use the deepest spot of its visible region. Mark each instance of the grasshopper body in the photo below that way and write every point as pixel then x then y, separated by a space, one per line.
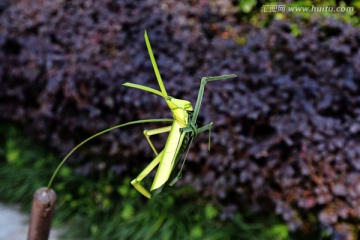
pixel 181 132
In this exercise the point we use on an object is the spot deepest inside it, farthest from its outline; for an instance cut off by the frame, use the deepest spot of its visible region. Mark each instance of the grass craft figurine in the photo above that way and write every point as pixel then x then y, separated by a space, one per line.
pixel 182 131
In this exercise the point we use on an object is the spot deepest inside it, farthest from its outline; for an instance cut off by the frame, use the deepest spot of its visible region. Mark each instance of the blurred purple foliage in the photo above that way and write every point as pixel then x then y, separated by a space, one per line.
pixel 286 132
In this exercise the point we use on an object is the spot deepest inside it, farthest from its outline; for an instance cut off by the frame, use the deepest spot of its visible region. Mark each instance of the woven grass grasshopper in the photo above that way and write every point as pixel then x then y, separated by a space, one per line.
pixel 182 131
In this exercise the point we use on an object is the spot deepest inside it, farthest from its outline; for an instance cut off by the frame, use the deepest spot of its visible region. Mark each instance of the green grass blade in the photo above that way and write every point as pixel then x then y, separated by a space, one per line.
pixel 153 62
pixel 215 78
pixel 204 80
pixel 144 88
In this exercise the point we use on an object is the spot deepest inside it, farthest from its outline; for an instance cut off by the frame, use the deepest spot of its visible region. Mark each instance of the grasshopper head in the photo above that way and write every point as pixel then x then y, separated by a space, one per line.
pixel 180 109
pixel 175 103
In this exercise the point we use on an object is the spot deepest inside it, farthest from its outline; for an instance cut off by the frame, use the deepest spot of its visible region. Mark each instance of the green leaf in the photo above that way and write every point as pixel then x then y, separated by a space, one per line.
pixel 94 229
pixel 281 231
pixel 65 172
pixel 12 156
pixel 295 30
pixel 196 231
pixel 123 190
pixel 211 212
pixel 127 212
pixel 246 5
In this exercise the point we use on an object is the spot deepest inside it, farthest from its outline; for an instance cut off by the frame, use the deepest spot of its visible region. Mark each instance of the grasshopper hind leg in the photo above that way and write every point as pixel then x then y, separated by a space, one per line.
pixel 137 181
pixel 140 188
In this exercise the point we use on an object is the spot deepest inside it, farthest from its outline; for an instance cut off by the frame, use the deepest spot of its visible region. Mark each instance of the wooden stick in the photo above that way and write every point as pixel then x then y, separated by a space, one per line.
pixel 41 214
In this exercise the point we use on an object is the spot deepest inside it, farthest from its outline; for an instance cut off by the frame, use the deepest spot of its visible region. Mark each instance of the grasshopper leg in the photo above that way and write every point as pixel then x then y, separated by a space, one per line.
pixel 137 181
pixel 204 128
pixel 155 131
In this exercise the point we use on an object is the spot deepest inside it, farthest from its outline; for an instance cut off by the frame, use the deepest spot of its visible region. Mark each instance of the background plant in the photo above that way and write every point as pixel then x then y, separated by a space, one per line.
pixel 286 133
pixel 106 207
